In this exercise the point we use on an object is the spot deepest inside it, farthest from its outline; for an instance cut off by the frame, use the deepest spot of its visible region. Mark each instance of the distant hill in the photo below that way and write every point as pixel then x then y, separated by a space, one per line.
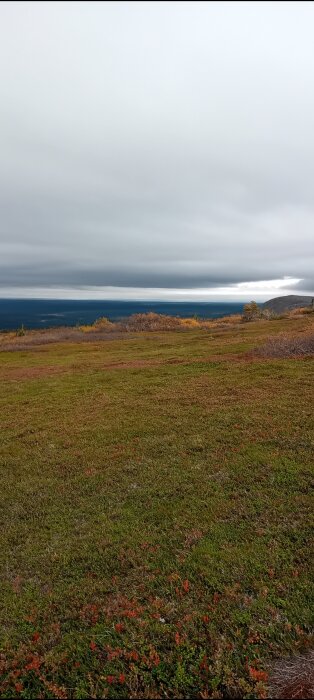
pixel 292 301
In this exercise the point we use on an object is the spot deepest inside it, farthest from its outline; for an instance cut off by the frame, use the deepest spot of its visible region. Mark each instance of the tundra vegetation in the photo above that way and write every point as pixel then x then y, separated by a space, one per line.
pixel 155 502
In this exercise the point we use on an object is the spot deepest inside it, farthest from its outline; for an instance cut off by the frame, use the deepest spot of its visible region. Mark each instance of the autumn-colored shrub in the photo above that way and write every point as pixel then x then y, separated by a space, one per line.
pixel 103 323
pixel 152 322
pixel 254 312
pixel 190 322
pixel 302 310
pixel 85 328
pixel 223 321
pixel 284 345
pixel 103 327
pixel 251 311
pixel 270 315
pixel 161 322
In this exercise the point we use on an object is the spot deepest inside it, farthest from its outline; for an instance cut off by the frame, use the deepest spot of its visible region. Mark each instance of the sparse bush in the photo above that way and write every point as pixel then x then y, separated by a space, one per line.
pixel 299 311
pixel 251 311
pixel 191 322
pixel 20 331
pixel 103 323
pixel 160 322
pixel 254 312
pixel 223 321
pixel 270 315
pixel 85 328
pixel 152 322
pixel 284 345
pixel 307 309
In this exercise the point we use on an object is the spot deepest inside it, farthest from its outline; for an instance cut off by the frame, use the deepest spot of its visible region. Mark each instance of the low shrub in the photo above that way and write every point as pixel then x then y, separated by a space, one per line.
pixel 251 311
pixel 284 345
pixel 307 309
pixel 103 323
pixel 152 322
pixel 20 331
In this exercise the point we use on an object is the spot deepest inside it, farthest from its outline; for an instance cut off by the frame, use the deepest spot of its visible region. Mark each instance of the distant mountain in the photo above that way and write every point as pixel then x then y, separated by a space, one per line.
pixel 292 301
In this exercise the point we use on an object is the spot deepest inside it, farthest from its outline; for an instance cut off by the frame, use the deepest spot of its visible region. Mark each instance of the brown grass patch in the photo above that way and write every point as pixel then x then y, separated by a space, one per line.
pixel 25 373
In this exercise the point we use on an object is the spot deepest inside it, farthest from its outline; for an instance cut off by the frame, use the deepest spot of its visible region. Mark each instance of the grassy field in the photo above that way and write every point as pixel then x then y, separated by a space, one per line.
pixel 155 514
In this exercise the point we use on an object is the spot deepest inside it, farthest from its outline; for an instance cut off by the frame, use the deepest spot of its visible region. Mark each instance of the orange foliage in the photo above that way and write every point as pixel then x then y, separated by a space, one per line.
pixel 258 675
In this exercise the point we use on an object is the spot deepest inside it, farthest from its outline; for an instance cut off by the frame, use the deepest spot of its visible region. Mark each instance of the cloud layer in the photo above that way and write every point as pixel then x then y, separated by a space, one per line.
pixel 162 146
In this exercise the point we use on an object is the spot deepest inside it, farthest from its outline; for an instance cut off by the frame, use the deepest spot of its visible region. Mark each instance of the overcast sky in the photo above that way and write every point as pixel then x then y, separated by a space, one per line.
pixel 156 150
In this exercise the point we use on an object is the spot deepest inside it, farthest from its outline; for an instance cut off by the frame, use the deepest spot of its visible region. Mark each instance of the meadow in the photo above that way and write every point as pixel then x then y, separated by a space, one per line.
pixel 155 512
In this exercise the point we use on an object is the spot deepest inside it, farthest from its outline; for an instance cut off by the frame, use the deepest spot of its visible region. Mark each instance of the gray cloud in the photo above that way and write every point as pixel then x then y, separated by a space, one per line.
pixel 156 145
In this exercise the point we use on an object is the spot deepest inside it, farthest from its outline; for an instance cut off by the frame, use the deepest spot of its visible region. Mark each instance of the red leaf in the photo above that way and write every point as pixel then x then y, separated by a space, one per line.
pixel 186 586
pixel 129 613
pixel 119 627
pixel 34 664
pixel 177 638
pixel 132 655
pixel 204 664
pixel 258 675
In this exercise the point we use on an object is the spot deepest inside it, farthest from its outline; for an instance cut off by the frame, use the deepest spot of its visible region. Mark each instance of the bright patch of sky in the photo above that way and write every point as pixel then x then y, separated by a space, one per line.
pixel 156 150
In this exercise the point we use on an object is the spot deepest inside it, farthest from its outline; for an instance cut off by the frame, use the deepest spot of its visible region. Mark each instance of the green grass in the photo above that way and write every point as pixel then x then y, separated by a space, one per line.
pixel 155 511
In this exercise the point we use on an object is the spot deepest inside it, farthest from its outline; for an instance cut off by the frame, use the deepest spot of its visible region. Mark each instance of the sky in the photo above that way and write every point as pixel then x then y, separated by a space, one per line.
pixel 156 150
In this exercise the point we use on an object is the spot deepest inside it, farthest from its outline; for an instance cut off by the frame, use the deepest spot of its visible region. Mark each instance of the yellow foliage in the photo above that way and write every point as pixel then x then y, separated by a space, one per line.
pixel 103 322
pixel 86 329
